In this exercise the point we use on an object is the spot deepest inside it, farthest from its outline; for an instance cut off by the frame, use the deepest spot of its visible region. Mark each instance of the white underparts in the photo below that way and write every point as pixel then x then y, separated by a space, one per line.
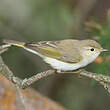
pixel 61 65
pixel 66 66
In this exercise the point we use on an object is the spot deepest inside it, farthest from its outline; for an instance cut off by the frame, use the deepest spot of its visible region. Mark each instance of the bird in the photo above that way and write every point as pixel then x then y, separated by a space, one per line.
pixel 63 55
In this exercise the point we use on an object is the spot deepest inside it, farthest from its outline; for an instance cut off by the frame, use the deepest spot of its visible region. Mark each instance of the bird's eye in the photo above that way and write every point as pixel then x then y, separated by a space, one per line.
pixel 92 49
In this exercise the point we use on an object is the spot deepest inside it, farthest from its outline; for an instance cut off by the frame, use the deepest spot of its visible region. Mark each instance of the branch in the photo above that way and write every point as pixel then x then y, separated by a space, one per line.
pixel 19 84
pixel 102 79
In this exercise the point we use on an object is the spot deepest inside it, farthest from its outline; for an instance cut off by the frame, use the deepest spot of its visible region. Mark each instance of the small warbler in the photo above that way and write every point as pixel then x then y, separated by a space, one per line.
pixel 65 55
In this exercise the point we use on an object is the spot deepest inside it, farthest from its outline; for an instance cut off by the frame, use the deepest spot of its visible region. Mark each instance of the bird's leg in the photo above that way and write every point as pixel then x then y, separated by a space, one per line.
pixel 75 71
pixel 78 71
pixel 56 71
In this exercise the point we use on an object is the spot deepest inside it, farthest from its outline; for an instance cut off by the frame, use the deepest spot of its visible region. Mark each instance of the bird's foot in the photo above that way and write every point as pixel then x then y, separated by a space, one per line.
pixel 78 71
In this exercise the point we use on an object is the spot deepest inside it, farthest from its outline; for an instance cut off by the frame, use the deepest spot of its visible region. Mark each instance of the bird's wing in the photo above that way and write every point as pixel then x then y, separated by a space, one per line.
pixel 52 49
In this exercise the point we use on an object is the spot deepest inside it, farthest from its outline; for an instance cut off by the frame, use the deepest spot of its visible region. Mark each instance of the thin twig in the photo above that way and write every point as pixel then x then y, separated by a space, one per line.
pixel 28 81
pixel 21 98
pixel 102 79
pixel 4 48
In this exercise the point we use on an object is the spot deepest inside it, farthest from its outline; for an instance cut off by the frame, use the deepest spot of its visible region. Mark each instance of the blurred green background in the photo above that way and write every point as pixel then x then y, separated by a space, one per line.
pixel 38 20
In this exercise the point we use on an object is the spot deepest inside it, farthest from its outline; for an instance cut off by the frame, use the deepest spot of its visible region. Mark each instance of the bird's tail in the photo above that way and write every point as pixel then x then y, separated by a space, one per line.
pixel 16 43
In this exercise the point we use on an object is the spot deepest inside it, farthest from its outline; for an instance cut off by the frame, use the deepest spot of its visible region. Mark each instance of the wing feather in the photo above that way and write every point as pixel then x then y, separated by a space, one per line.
pixel 52 49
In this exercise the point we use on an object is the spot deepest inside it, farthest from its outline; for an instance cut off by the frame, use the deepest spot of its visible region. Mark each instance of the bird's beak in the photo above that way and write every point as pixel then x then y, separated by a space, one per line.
pixel 104 50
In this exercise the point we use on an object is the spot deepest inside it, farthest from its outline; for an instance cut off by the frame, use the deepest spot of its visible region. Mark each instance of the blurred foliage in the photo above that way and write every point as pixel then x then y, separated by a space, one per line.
pixel 39 19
